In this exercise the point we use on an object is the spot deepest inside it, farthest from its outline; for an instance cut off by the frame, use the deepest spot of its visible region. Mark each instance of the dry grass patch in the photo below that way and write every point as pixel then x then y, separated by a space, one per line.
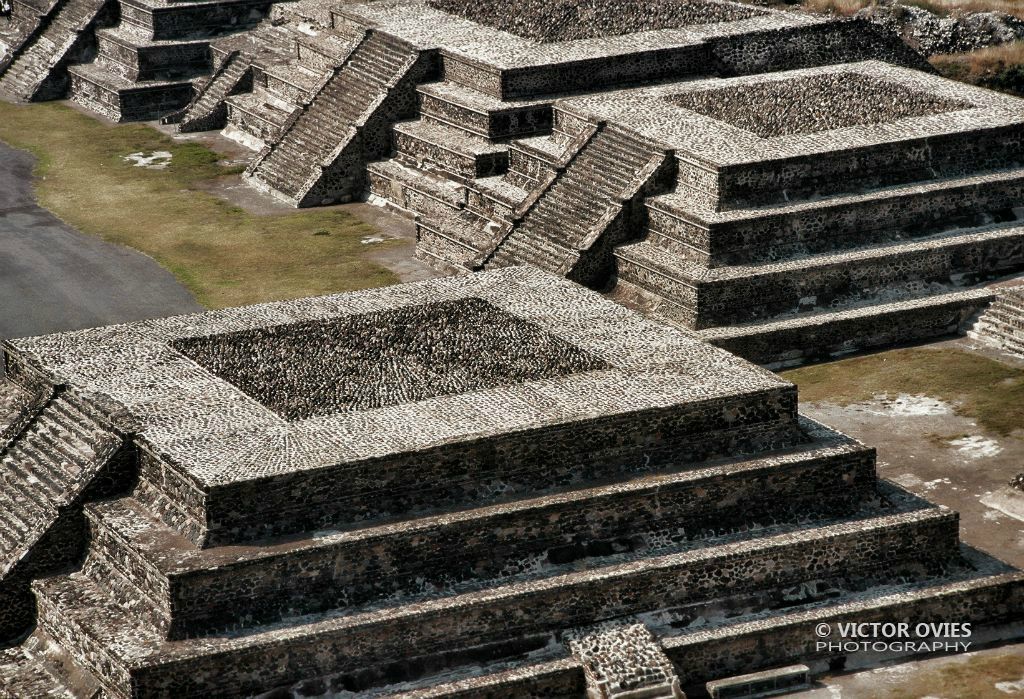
pixel 981 388
pixel 998 68
pixel 223 254
pixel 993 677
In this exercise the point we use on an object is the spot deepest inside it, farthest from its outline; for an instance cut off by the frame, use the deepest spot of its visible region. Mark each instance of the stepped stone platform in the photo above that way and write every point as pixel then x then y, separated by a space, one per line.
pixel 602 506
pixel 498 80
pixel 128 61
pixel 743 209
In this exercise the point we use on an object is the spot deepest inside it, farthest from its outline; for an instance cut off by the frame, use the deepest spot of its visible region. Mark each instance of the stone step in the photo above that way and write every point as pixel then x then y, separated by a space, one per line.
pixel 1011 320
pixel 15 400
pixel 562 677
pixel 495 197
pixel 530 159
pixel 194 19
pixel 415 191
pixel 200 591
pixel 460 154
pixel 480 114
pixel 131 658
pixel 46 468
pixel 289 80
pixel 322 48
pixel 124 51
pixel 887 215
pixel 25 675
pixel 257 114
pixel 209 110
pixel 990 601
pixel 57 41
pixel 790 341
pixel 121 99
pixel 781 178
pixel 536 666
pixel 742 294
pixel 452 243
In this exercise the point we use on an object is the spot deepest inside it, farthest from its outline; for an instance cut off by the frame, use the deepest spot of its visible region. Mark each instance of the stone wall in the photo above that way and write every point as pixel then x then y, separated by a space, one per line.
pixel 514 465
pixel 501 541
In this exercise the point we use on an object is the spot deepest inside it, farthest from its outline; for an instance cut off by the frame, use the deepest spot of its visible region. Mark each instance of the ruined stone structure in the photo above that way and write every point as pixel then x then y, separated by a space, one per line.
pixel 775 192
pixel 1002 323
pixel 125 59
pixel 792 187
pixel 498 484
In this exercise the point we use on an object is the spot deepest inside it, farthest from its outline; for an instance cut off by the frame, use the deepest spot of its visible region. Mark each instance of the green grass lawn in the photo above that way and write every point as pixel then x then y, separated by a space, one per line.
pixel 224 255
pixel 981 388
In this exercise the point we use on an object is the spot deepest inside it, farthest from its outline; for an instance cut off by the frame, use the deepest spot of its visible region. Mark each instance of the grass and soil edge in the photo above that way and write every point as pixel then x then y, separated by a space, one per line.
pixel 223 254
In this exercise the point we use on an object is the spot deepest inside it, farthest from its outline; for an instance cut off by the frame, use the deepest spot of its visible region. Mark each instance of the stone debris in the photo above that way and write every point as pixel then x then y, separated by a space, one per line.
pixel 932 34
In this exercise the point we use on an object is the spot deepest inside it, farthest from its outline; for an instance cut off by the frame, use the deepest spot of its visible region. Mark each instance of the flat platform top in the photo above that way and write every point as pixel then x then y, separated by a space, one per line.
pixel 798 113
pixel 485 31
pixel 243 393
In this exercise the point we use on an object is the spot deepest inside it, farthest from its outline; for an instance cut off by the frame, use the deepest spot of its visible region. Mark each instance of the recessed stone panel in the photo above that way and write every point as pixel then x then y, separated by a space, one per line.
pixel 373 360
pixel 815 103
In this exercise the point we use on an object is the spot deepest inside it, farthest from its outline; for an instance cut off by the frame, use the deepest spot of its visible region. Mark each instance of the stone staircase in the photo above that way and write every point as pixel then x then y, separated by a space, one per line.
pixel 579 205
pixel 324 147
pixel 46 467
pixel 485 194
pixel 64 35
pixel 56 451
pixel 1002 324
pixel 207 110
pixel 26 19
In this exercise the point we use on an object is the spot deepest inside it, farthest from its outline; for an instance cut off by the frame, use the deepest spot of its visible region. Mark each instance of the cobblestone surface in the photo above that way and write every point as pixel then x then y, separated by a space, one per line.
pixel 569 20
pixel 386 358
pixel 816 103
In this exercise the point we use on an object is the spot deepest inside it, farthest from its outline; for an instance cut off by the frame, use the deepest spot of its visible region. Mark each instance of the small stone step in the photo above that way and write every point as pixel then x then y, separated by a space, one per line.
pixel 416 191
pixel 463 155
pixel 749 293
pixel 483 115
pixel 827 334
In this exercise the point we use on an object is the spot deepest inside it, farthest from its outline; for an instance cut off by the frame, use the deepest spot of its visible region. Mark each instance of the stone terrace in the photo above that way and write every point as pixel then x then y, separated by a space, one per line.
pixel 782 215
pixel 625 507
